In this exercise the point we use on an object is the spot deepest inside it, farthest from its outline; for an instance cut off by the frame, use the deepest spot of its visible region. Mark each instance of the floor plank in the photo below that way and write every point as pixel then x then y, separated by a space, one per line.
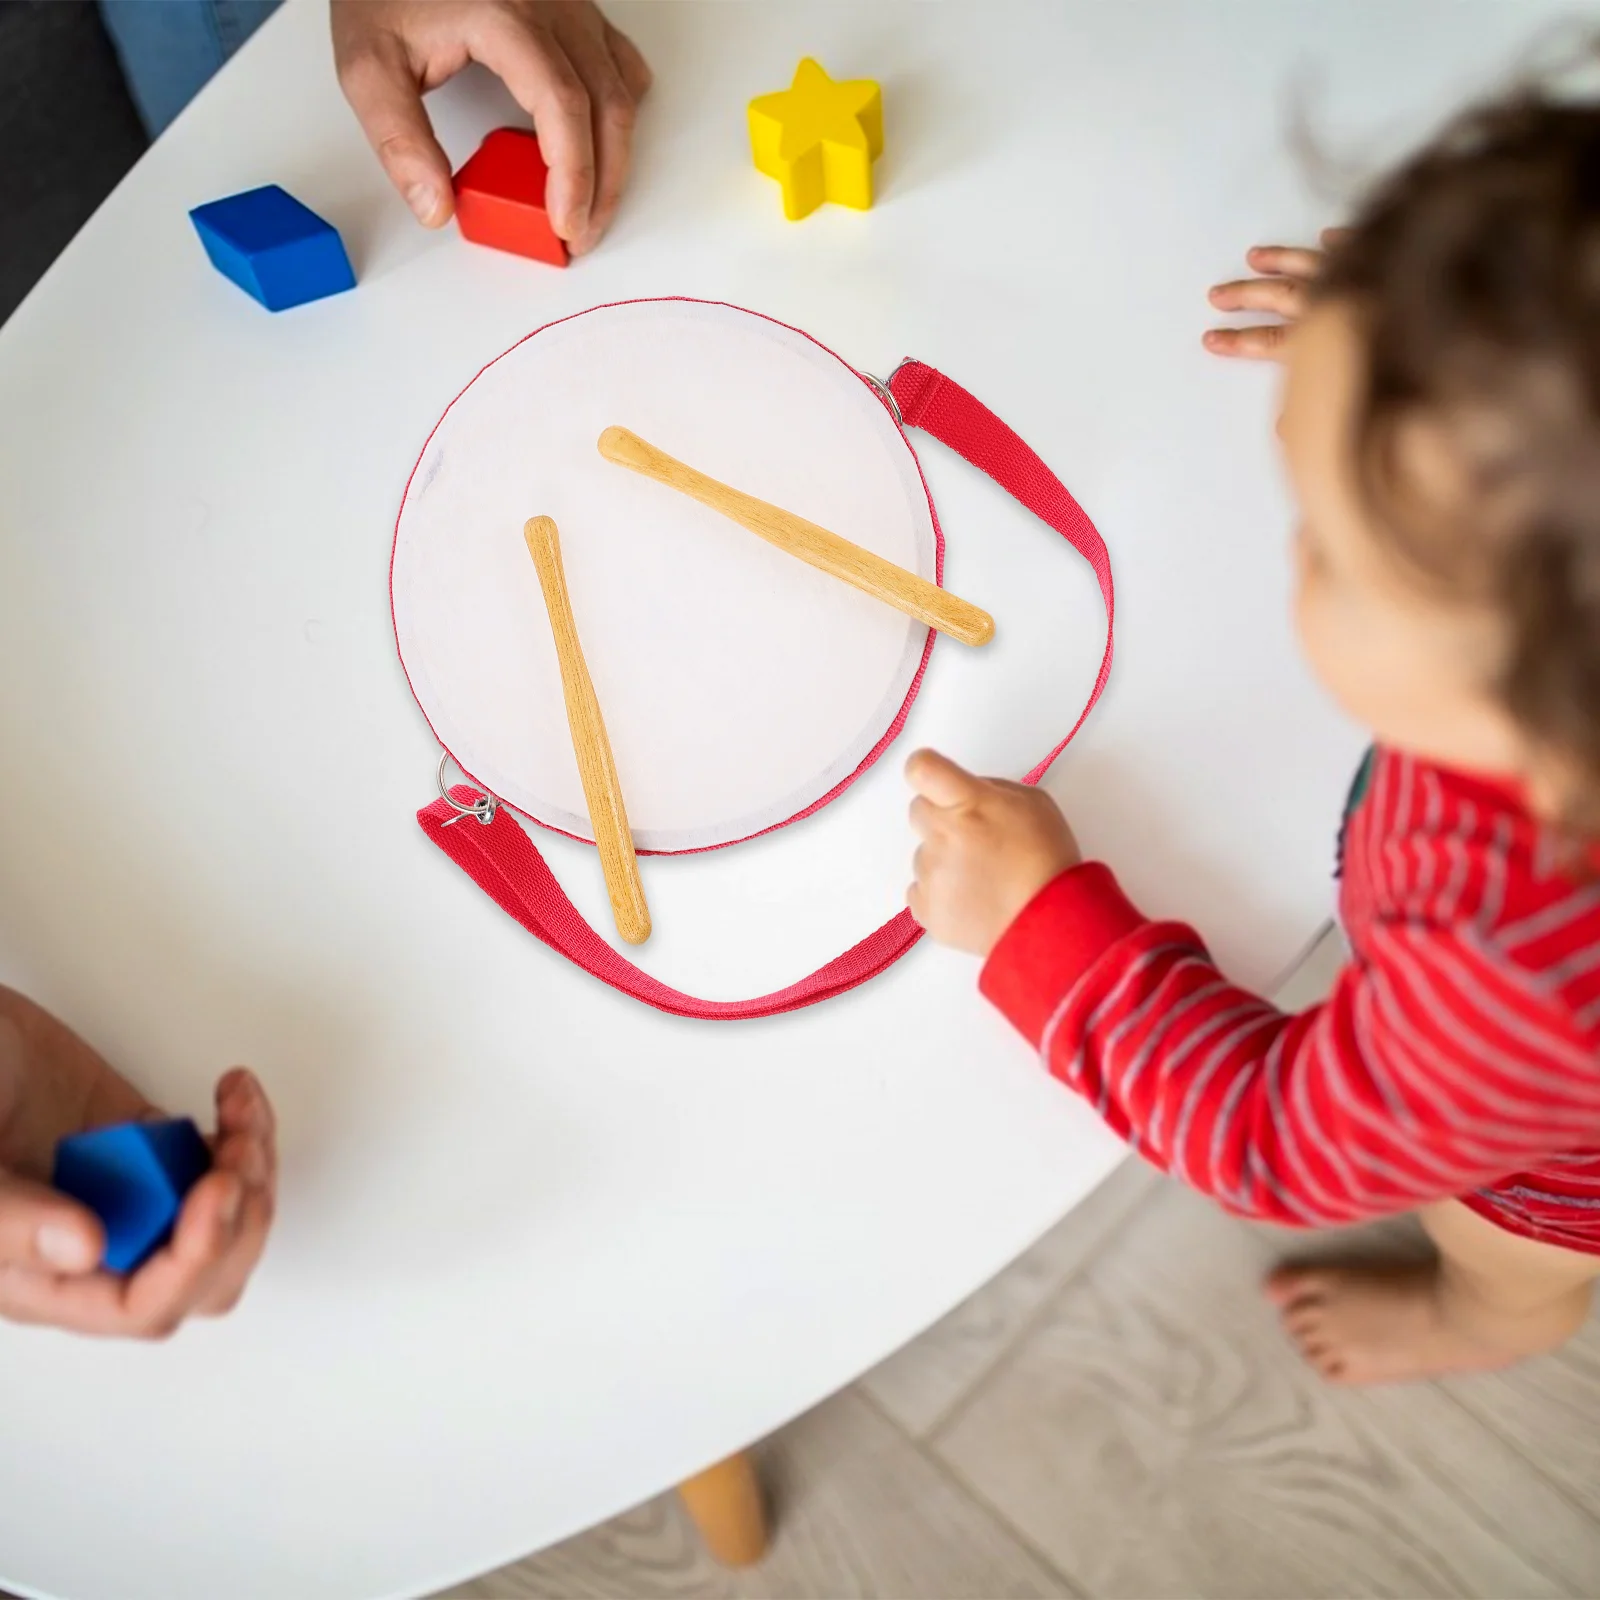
pixel 920 1384
pixel 1548 1412
pixel 860 1513
pixel 1153 1436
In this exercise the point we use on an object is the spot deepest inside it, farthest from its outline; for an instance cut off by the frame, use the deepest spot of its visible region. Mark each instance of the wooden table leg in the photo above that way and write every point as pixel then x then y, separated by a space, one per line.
pixel 725 1502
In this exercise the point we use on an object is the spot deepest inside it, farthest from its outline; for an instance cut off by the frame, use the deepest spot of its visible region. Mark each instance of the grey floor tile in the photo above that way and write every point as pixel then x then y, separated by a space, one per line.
pixel 1154 1436
pixel 1548 1412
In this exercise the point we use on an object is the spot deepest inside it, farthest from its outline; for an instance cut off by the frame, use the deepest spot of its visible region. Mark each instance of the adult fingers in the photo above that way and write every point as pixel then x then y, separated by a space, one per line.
pixel 243 1108
pixel 383 92
pixel 534 66
pixel 90 1304
pixel 245 1142
pixel 635 70
pixel 226 1283
pixel 612 116
pixel 246 1146
pixel 1250 344
pixel 1332 238
pixel 41 1229
pixel 173 1282
pixel 153 1302
pixel 1283 297
pixel 937 778
pixel 150 1304
pixel 248 1157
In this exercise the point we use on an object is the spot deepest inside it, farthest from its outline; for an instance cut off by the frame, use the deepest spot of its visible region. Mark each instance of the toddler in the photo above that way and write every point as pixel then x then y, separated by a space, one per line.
pixel 1441 426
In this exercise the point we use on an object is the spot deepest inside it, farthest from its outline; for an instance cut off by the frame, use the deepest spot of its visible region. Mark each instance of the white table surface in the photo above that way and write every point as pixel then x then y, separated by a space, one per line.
pixel 542 1251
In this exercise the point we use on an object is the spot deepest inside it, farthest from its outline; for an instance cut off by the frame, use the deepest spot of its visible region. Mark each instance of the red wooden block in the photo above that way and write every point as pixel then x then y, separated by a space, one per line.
pixel 500 198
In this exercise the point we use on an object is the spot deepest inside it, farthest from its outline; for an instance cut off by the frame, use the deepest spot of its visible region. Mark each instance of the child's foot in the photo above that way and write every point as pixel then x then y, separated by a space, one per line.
pixel 1389 1323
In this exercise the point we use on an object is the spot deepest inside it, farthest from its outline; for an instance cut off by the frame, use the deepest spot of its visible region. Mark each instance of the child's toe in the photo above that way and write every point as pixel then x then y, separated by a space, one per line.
pixel 1302 1321
pixel 1324 1358
pixel 1289 1286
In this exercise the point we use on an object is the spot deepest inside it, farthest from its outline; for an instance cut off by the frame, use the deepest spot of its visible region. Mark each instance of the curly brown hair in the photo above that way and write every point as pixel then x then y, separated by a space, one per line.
pixel 1475 270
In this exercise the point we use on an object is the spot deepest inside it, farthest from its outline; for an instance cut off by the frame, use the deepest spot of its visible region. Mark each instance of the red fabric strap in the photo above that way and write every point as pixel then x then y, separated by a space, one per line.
pixel 502 859
pixel 940 406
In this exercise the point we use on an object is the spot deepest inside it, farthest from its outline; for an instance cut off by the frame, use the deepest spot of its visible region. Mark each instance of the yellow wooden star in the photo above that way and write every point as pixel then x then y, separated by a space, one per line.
pixel 818 138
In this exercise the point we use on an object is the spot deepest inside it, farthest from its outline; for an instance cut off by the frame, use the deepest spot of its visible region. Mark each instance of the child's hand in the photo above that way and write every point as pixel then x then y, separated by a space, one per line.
pixel 1280 291
pixel 988 847
pixel 53 1084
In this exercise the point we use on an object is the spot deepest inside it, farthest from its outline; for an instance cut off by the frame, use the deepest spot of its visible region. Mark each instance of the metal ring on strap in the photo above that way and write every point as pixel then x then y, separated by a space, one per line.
pixel 483 808
pixel 886 394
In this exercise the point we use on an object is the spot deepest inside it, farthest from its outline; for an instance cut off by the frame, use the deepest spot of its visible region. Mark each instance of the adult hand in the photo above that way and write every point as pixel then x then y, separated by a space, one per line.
pixel 52 1084
pixel 988 847
pixel 1286 275
pixel 579 78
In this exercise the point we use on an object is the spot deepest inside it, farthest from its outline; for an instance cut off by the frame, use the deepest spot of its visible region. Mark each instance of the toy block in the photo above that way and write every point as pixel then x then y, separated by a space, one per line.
pixel 133 1177
pixel 274 248
pixel 819 139
pixel 500 198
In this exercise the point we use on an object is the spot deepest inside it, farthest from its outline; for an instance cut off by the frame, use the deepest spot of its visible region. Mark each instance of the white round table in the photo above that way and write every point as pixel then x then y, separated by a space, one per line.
pixel 542 1251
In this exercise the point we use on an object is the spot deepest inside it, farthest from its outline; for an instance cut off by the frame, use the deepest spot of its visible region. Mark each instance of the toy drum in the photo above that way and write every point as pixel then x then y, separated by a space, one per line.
pixel 741 688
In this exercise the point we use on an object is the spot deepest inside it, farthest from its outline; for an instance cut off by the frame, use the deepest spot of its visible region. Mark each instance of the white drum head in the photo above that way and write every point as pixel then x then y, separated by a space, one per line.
pixel 739 686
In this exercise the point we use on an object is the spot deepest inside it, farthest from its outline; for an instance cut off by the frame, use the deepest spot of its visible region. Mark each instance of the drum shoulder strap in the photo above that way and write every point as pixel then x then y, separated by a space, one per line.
pixel 502 859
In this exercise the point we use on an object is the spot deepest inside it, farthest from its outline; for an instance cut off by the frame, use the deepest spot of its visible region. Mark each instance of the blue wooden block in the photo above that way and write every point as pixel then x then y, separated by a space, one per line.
pixel 133 1177
pixel 273 247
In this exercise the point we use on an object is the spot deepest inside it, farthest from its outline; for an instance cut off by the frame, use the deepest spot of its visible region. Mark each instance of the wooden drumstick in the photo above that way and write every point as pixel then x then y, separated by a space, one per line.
pixel 826 551
pixel 596 767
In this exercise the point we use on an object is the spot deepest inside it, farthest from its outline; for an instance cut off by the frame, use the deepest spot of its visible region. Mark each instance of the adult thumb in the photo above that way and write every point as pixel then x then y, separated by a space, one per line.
pixel 938 779
pixel 387 101
pixel 43 1229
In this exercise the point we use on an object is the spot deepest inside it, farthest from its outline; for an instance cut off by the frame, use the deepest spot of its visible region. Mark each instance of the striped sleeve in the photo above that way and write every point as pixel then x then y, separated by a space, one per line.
pixel 1434 1067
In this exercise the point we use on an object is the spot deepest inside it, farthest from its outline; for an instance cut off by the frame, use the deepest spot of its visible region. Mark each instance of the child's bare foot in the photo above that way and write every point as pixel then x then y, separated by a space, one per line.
pixel 1388 1323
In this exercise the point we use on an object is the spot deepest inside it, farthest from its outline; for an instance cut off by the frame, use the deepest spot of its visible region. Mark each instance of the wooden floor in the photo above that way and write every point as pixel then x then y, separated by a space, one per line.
pixel 1117 1415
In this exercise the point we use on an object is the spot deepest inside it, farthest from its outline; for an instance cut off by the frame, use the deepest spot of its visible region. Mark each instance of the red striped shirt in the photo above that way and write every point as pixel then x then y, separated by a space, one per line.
pixel 1457 1056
